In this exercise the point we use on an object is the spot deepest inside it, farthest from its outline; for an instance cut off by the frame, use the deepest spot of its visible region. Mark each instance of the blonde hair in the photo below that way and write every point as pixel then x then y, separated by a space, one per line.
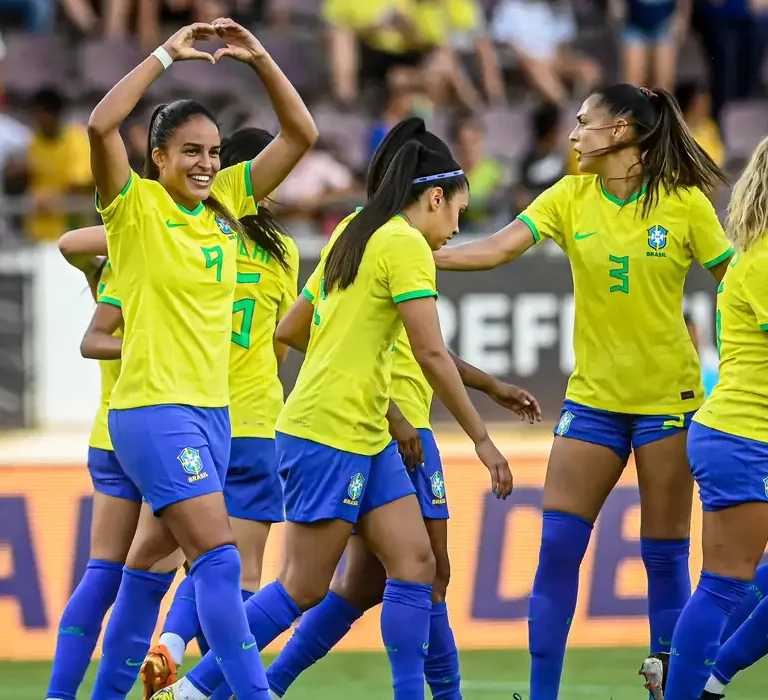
pixel 748 209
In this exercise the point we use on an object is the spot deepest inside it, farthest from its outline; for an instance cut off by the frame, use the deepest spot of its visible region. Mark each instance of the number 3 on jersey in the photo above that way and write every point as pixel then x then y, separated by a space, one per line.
pixel 247 307
pixel 620 273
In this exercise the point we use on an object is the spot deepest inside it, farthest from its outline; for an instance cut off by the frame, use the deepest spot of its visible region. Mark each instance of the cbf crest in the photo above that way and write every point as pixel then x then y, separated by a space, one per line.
pixel 565 423
pixel 192 464
pixel 224 227
pixel 355 490
pixel 437 482
pixel 765 484
pixel 657 241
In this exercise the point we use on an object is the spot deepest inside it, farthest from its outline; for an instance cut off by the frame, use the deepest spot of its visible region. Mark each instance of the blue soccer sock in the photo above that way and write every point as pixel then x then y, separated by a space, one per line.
pixel 669 586
pixel 697 636
pixel 80 626
pixel 441 669
pixel 182 625
pixel 320 629
pixel 564 540
pixel 269 612
pixel 129 632
pixel 405 613
pixel 224 623
pixel 747 646
pixel 757 591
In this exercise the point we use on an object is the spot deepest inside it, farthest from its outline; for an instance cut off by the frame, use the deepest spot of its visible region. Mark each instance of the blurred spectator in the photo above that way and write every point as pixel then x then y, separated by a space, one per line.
pixel 399 105
pixel 371 39
pixel 3 52
pixel 652 31
pixel 545 163
pixel 540 33
pixel 734 35
pixel 489 178
pixel 56 165
pixel 696 106
pixel 36 16
pixel 316 185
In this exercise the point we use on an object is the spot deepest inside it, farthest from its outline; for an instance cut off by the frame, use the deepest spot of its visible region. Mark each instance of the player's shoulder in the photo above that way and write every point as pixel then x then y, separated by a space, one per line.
pixel 685 197
pixel 572 187
pixel 397 239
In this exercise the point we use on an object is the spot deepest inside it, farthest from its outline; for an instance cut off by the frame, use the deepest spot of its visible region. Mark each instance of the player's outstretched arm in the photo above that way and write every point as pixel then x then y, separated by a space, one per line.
pixel 109 160
pixel 487 253
pixel 423 327
pixel 507 395
pixel 293 328
pixel 297 128
pixel 98 343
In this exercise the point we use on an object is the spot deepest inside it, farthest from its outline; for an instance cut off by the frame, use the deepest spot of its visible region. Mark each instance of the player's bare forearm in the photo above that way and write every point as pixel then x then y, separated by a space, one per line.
pixel 473 377
pixel 487 253
pixel 394 414
pixel 294 328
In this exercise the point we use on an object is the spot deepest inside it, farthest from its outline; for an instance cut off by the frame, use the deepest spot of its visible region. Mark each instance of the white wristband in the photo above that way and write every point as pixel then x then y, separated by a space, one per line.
pixel 163 56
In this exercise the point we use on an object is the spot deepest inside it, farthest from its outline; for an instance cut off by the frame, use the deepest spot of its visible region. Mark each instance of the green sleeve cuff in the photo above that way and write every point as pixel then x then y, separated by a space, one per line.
pixel 720 258
pixel 534 231
pixel 110 300
pixel 418 294
pixel 248 181
pixel 764 326
pixel 308 295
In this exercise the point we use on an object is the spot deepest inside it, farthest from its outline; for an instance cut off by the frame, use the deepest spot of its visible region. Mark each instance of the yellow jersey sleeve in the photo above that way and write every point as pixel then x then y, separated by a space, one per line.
pixel 312 287
pixel 544 216
pixel 291 289
pixel 122 208
pixel 107 290
pixel 705 233
pixel 755 289
pixel 233 188
pixel 409 267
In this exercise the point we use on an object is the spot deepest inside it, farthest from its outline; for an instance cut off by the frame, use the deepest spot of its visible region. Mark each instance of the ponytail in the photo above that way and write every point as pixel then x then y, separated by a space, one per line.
pixel 670 158
pixel 393 194
pixel 264 230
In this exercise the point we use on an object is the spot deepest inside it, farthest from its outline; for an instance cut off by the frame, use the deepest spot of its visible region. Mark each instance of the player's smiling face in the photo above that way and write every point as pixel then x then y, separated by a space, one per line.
pixel 190 161
pixel 595 130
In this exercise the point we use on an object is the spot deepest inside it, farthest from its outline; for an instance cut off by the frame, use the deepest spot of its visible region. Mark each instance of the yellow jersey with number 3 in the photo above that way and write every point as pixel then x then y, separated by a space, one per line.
pixel 106 293
pixel 739 403
pixel 177 278
pixel 264 293
pixel 410 389
pixel 342 391
pixel 633 351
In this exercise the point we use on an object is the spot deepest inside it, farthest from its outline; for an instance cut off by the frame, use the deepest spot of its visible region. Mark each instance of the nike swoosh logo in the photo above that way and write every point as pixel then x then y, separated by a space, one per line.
pixel 664 642
pixel 581 236
pixel 248 646
pixel 133 663
pixel 170 224
pixel 709 662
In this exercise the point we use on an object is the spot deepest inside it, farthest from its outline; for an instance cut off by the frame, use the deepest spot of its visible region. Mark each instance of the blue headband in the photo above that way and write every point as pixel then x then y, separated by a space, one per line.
pixel 439 176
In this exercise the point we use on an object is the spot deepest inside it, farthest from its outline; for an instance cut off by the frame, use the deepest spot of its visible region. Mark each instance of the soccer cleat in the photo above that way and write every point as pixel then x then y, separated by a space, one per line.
pixel 654 669
pixel 707 695
pixel 157 672
pixel 166 694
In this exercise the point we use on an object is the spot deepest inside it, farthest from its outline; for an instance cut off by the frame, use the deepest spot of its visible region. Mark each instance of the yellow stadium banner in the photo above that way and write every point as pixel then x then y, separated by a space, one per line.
pixel 45 516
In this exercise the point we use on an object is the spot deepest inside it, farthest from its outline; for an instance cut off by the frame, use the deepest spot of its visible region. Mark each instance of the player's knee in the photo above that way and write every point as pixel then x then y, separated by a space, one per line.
pixel 361 594
pixel 304 589
pixel 562 545
pixel 416 564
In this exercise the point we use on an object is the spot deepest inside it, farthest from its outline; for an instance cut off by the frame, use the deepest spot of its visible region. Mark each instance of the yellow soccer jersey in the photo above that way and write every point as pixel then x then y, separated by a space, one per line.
pixel 342 392
pixel 177 278
pixel 410 389
pixel 739 403
pixel 633 351
pixel 264 293
pixel 110 369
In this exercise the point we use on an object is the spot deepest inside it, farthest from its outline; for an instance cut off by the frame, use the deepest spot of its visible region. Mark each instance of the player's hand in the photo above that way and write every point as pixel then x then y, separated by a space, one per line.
pixel 241 44
pixel 408 443
pixel 516 399
pixel 501 475
pixel 181 46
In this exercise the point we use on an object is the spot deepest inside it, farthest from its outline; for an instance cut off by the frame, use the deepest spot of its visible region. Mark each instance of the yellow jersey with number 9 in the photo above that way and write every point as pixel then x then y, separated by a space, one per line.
pixel 739 403
pixel 342 391
pixel 410 389
pixel 633 351
pixel 106 293
pixel 177 280
pixel 264 293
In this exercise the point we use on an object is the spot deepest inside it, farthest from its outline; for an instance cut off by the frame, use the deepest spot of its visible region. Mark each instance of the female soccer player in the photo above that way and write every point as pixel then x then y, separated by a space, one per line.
pixel 172 239
pixel 332 441
pixel 362 584
pixel 728 452
pixel 267 279
pixel 631 231
pixel 116 505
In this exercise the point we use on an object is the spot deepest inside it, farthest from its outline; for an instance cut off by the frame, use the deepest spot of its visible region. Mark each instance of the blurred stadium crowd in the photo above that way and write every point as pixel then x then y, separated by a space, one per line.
pixel 501 79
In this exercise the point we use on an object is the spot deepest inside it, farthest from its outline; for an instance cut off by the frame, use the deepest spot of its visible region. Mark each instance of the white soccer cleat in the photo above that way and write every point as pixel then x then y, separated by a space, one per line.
pixel 653 669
